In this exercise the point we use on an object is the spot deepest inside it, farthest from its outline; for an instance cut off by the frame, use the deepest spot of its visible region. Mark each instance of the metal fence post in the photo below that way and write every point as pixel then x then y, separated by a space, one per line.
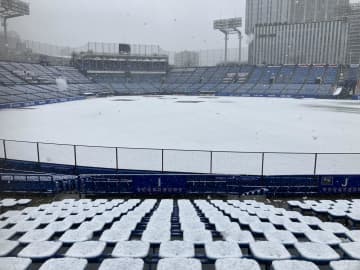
pixel 4 144
pixel 38 152
pixel 162 160
pixel 315 163
pixel 117 158
pixel 211 162
pixel 262 163
pixel 75 158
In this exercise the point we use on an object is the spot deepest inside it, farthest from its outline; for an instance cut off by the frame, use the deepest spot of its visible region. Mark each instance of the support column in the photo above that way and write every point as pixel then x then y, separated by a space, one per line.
pixel 5 34
pixel 226 46
pixel 240 44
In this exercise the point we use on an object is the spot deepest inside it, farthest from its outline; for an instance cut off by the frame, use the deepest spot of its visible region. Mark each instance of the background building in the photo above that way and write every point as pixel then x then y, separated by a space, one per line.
pixel 351 13
pixel 290 11
pixel 301 43
pixel 302 31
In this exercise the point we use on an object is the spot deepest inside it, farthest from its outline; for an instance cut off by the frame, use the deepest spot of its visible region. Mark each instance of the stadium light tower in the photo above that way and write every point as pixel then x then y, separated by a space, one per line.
pixel 11 9
pixel 229 27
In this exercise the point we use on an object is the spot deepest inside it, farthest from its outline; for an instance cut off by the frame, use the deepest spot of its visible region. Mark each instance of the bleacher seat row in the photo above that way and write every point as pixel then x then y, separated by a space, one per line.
pixel 172 234
pixel 23 82
pixel 27 84
pixel 245 80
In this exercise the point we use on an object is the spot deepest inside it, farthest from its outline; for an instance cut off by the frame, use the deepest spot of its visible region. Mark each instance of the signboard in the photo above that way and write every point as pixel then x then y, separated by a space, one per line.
pixel 228 24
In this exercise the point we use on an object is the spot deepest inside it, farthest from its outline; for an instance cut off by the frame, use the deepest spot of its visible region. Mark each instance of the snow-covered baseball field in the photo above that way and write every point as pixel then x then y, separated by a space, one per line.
pixel 201 123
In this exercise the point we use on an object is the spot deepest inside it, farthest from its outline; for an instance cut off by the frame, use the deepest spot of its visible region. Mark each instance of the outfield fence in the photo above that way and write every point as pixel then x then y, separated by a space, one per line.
pixel 183 161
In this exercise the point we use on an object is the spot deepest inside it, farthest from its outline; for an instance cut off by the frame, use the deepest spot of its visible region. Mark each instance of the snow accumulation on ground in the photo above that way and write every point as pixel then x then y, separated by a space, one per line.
pixel 203 123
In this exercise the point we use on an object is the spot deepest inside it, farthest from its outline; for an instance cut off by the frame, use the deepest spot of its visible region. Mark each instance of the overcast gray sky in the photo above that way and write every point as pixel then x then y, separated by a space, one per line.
pixel 172 24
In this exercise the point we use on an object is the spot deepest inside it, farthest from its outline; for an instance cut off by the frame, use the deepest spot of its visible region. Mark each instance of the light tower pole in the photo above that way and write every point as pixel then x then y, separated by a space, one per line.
pixel 229 27
pixel 11 9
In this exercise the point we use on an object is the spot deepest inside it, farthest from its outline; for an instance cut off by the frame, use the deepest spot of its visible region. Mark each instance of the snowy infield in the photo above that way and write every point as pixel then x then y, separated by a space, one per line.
pixel 204 123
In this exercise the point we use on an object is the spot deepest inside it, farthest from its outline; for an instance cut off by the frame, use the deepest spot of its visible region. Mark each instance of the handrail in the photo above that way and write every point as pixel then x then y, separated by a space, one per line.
pixel 164 160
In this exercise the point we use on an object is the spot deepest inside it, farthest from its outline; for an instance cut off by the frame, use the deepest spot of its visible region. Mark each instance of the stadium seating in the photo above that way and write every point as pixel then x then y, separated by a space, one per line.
pixel 32 84
pixel 173 234
pixel 244 80
pixel 24 84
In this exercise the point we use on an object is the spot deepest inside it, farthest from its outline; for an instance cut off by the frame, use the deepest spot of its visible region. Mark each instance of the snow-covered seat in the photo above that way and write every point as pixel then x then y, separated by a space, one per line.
pixel 283 237
pixel 316 252
pixel 4 223
pixel 320 209
pixel 25 226
pixel 38 235
pixel 353 235
pixel 73 236
pixel 11 213
pixel 263 214
pixel 333 227
pixel 75 219
pixel 123 264
pixel 296 227
pixel 179 264
pixel 337 213
pixel 352 250
pixel 262 227
pixel 226 226
pixel 310 220
pixel 197 236
pixel 106 218
pixel 6 247
pixel 23 201
pixel 6 234
pixel 345 265
pixel 59 226
pixel 93 226
pixel 241 237
pixel 323 237
pixel 236 264
pixel 193 225
pixel 178 249
pixel 293 264
pixel 14 263
pixel 278 220
pixel 113 236
pixel 90 213
pixel 64 264
pixel 40 250
pixel 247 219
pixel 86 250
pixel 46 218
pixel 99 201
pixel 354 216
pixel 294 203
pixel 156 236
pixel 305 206
pixel 292 214
pixel 15 219
pixel 222 249
pixel 8 202
pixel 68 201
pixel 269 251
pixel 131 249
